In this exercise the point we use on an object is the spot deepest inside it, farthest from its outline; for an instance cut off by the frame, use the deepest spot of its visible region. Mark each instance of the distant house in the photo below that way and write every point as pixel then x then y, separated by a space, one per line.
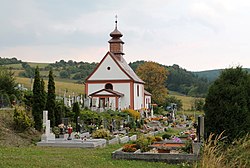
pixel 113 84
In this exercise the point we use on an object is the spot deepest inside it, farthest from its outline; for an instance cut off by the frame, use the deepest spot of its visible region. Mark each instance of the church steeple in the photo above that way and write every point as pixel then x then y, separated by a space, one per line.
pixel 115 43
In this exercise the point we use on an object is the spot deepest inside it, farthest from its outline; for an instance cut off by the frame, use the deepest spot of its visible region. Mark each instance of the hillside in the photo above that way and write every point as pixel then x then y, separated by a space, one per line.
pixel 212 75
pixel 10 137
pixel 179 79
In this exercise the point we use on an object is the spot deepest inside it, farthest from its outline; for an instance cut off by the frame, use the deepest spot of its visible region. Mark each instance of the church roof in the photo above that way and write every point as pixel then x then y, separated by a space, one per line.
pixel 147 93
pixel 126 68
pixel 106 92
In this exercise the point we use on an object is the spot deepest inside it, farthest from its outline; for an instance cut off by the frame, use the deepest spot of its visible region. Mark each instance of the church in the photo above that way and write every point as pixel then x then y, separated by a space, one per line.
pixel 113 84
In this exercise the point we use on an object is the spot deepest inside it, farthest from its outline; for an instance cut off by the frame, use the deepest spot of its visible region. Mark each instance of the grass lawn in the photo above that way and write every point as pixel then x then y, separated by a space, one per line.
pixel 25 157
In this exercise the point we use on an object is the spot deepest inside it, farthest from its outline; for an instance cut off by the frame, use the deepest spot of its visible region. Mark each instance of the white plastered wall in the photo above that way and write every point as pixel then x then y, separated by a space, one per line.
pixel 138 100
pixel 112 73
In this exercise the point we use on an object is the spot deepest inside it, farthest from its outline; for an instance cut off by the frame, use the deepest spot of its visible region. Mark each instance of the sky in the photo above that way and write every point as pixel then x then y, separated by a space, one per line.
pixel 194 34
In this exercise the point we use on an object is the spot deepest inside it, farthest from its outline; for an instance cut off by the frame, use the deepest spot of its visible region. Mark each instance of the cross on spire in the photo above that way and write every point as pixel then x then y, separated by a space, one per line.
pixel 116 21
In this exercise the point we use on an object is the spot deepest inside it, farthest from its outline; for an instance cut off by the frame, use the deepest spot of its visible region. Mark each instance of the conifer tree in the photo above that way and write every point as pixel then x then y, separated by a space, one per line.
pixel 51 99
pixel 76 111
pixel 227 104
pixel 43 95
pixel 36 106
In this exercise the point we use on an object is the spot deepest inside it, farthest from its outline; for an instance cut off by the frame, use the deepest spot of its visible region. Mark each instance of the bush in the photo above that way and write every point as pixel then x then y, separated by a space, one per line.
pixel 144 142
pixel 132 113
pixel 21 120
pixel 101 133
pixel 166 136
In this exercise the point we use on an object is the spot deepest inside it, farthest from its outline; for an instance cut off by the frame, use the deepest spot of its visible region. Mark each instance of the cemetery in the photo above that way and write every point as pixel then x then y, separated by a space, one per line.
pixel 144 138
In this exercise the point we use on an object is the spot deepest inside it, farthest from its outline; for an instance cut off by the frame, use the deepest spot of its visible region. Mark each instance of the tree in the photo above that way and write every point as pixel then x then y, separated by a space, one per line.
pixel 76 111
pixel 7 82
pixel 227 104
pixel 173 99
pixel 51 99
pixel 154 77
pixel 64 74
pixel 198 104
pixel 60 109
pixel 37 106
pixel 43 94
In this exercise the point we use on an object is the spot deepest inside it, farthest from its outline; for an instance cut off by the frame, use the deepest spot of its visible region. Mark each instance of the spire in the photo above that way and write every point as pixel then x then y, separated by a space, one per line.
pixel 116 32
pixel 116 44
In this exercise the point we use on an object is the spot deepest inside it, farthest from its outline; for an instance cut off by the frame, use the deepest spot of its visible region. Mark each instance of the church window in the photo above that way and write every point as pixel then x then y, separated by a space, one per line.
pixel 108 68
pixel 138 91
pixel 109 86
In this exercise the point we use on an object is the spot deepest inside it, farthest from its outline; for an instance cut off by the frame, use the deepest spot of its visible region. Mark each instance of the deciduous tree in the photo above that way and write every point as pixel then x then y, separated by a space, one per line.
pixel 154 77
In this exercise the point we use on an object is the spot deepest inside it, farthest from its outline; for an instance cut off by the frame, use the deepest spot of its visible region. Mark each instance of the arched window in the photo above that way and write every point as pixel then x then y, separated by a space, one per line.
pixel 109 86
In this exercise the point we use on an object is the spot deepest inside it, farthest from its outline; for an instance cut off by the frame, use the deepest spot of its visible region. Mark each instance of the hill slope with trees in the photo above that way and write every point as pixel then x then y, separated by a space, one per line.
pixel 179 79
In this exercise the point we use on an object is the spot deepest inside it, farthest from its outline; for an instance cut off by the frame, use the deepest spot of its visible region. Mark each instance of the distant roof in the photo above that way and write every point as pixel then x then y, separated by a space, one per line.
pixel 126 68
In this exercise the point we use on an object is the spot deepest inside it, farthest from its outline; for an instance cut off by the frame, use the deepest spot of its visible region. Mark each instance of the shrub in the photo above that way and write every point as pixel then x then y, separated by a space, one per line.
pixel 132 113
pixel 56 130
pixel 21 119
pixel 166 136
pixel 188 147
pixel 101 133
pixel 144 142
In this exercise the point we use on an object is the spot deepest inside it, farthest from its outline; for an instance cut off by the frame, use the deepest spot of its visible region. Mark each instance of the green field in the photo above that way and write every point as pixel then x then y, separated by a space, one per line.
pixel 40 65
pixel 61 86
pixel 14 66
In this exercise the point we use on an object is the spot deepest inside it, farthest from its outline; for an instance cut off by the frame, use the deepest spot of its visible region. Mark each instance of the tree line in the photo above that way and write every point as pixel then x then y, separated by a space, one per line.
pixel 178 79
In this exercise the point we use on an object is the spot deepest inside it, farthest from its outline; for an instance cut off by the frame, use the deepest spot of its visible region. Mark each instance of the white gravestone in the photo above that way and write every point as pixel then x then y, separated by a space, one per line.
pixel 46 123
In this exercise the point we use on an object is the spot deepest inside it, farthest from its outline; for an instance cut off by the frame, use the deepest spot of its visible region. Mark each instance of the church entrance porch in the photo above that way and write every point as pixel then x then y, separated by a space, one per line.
pixel 105 99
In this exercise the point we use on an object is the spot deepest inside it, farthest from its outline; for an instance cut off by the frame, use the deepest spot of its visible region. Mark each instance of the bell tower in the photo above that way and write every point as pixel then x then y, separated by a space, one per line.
pixel 115 43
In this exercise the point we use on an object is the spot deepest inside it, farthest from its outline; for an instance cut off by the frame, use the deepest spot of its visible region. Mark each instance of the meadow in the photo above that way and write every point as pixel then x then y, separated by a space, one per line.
pixel 62 86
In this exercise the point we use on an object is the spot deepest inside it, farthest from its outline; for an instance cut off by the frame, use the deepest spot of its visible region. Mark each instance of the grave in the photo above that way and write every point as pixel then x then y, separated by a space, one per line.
pixel 47 135
pixel 75 143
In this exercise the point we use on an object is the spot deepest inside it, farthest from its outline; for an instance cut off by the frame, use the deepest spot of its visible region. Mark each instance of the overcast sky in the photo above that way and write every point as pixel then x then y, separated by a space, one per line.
pixel 195 34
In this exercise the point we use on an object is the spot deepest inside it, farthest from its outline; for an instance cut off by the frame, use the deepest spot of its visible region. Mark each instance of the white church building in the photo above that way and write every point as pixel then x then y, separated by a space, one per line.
pixel 113 84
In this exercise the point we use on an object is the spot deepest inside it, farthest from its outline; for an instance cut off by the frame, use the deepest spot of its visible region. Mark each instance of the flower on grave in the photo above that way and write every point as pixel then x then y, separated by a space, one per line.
pixel 61 125
pixel 176 139
pixel 77 135
pixel 129 148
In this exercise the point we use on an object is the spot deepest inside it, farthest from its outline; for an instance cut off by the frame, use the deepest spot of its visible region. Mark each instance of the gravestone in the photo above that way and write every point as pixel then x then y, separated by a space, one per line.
pixel 200 129
pixel 47 135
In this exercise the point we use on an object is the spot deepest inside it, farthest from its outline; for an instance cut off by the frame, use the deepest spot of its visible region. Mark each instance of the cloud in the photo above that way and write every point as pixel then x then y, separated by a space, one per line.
pixel 211 33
